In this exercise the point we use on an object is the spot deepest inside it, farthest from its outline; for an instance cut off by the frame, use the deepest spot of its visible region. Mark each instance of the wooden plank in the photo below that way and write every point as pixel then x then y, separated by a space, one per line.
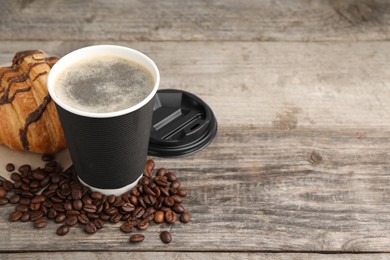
pixel 188 255
pixel 176 20
pixel 281 85
pixel 300 162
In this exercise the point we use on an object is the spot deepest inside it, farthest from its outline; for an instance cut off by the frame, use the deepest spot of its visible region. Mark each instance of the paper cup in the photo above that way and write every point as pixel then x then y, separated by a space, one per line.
pixel 108 150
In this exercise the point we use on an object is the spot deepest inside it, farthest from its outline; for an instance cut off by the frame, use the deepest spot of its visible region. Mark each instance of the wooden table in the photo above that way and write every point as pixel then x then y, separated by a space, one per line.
pixel 300 167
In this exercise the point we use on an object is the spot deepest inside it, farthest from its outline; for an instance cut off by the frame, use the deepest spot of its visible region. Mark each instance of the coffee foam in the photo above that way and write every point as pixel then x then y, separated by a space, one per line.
pixel 104 83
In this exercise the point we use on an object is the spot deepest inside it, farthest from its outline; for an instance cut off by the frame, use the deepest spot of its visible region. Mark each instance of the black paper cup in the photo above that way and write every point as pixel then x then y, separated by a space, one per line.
pixel 108 150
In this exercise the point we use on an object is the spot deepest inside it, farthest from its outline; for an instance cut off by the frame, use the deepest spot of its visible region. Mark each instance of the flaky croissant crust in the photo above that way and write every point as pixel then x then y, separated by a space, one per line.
pixel 28 117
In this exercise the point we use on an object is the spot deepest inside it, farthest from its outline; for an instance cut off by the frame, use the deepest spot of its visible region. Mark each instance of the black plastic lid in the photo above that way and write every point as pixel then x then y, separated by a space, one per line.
pixel 182 124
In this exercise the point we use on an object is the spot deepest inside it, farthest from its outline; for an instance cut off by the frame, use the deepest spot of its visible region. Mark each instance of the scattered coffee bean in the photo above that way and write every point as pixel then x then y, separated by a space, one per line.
pixel 3 201
pixel 40 222
pixel 15 216
pixel 47 157
pixel 71 220
pixel 60 218
pixel 136 238
pixel 170 217
pixel 166 237
pixel 65 200
pixel 127 227
pixel 185 217
pixel 90 228
pixel 178 208
pixel 62 230
pixel 10 167
pixel 83 219
pixel 16 176
pixel 3 192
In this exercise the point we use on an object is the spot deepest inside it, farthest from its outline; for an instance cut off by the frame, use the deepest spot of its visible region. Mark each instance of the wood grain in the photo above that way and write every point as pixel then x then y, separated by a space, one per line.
pixel 187 20
pixel 300 163
pixel 300 90
pixel 187 255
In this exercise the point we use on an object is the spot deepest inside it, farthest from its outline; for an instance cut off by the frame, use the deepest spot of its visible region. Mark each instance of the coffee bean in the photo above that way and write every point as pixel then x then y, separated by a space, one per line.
pixel 175 184
pixel 134 200
pixel 98 223
pixel 43 183
pixel 86 199
pixel 149 167
pixel 82 218
pixel 47 157
pixel 172 191
pixel 59 207
pixel 144 180
pixel 34 215
pixel 149 191
pixel 18 185
pixel 15 216
pixel 72 213
pixel 116 217
pixel 141 202
pixel 96 195
pixel 178 208
pixel 60 218
pixel 76 194
pixel 25 168
pixel 143 225
pixel 171 176
pixel 185 217
pixel 35 185
pixel 7 185
pixel 10 167
pixel 127 227
pixel 40 222
pixel 138 212
pixel 164 191
pixel 176 198
pixel 89 208
pixel 161 172
pixel 170 216
pixel 62 230
pixel 22 208
pixel 127 207
pixel 168 201
pixel 159 217
pixel 161 181
pixel 3 201
pixel 149 200
pixel 136 238
pixel 3 192
pixel 166 237
pixel 16 176
pixel 38 199
pixel 27 194
pixel 52 214
pixel 111 199
pixel 38 174
pixel 90 228
pixel 68 205
pixel 118 202
pixel 25 201
pixel 14 199
pixel 92 215
pixel 111 211
pixel 25 217
pixel 71 220
pixel 55 178
pixel 77 204
pixel 35 206
pixel 104 217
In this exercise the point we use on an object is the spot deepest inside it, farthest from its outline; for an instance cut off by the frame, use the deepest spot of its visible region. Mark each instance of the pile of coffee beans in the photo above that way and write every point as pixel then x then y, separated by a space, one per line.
pixel 49 193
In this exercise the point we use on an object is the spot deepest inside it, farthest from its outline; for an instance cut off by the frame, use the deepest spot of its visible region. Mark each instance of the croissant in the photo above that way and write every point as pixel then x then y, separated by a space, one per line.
pixel 28 117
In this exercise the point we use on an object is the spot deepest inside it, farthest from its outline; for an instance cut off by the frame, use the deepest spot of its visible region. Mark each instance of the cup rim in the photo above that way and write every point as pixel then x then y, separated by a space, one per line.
pixel 79 54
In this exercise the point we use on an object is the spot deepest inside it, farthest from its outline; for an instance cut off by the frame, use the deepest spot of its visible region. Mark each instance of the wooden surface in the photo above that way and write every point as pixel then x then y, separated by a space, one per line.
pixel 301 92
